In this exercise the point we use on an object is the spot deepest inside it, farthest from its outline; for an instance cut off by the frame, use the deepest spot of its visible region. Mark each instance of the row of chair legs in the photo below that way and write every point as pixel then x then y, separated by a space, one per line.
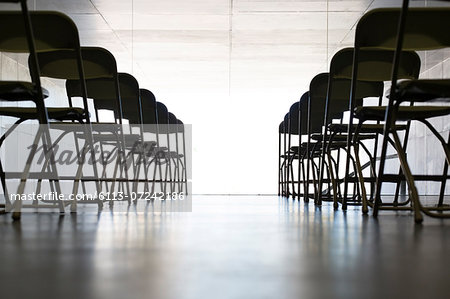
pixel 135 174
pixel 295 180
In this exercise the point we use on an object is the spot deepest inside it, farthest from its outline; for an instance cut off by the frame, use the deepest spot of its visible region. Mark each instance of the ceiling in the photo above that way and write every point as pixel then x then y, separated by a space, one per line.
pixel 237 63
pixel 218 45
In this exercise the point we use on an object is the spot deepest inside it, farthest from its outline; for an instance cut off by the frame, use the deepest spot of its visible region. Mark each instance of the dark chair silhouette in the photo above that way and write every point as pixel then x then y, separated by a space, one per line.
pixel 97 63
pixel 50 31
pixel 316 117
pixel 422 29
pixel 374 66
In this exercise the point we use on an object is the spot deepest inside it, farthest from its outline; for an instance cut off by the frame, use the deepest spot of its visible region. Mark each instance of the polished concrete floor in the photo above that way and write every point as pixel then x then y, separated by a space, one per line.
pixel 228 247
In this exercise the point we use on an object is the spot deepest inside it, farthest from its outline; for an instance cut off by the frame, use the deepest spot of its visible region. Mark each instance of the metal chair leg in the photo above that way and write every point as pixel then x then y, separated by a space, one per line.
pixel 409 179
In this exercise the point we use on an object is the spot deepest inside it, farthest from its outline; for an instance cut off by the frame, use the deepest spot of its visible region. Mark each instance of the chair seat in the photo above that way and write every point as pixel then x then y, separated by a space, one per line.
pixel 404 113
pixel 365 128
pixel 437 90
pixel 62 113
pixel 312 145
pixel 176 155
pixel 130 139
pixel 19 91
pixel 316 147
pixel 134 142
pixel 342 137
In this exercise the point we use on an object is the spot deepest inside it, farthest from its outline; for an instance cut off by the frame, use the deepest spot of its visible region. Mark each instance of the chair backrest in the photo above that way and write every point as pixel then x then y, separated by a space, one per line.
pixel 173 123
pixel 163 113
pixel 102 91
pixel 374 64
pixel 180 126
pixel 163 118
pixel 51 31
pixel 426 28
pixel 293 118
pixel 148 103
pixel 172 118
pixel 97 63
pixel 131 98
pixel 374 68
pixel 340 94
pixel 402 29
pixel 99 67
pixel 25 37
pixel 298 116
pixel 22 39
pixel 281 127
pixel 317 98
pixel 338 100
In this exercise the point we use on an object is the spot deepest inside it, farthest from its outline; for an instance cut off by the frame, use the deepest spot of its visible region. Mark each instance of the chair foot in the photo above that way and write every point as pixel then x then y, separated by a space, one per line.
pixel 16 216
pixel 418 219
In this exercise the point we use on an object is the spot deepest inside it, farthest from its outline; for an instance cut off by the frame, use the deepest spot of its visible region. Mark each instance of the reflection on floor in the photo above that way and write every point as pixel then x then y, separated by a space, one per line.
pixel 228 247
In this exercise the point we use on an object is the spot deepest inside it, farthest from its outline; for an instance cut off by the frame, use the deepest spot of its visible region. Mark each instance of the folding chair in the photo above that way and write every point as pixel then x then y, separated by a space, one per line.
pixel 153 149
pixel 22 91
pixel 287 153
pixel 374 67
pixel 164 130
pixel 157 120
pixel 316 114
pixel 51 31
pixel 175 127
pixel 105 94
pixel 132 110
pixel 291 153
pixel 97 63
pixel 120 95
pixel 312 148
pixel 184 166
pixel 336 103
pixel 408 29
pixel 328 104
pixel 281 160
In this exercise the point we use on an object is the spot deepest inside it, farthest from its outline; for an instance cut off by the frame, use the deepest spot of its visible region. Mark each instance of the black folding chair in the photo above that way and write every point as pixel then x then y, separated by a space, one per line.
pixel 408 29
pixel 374 67
pixel 51 31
